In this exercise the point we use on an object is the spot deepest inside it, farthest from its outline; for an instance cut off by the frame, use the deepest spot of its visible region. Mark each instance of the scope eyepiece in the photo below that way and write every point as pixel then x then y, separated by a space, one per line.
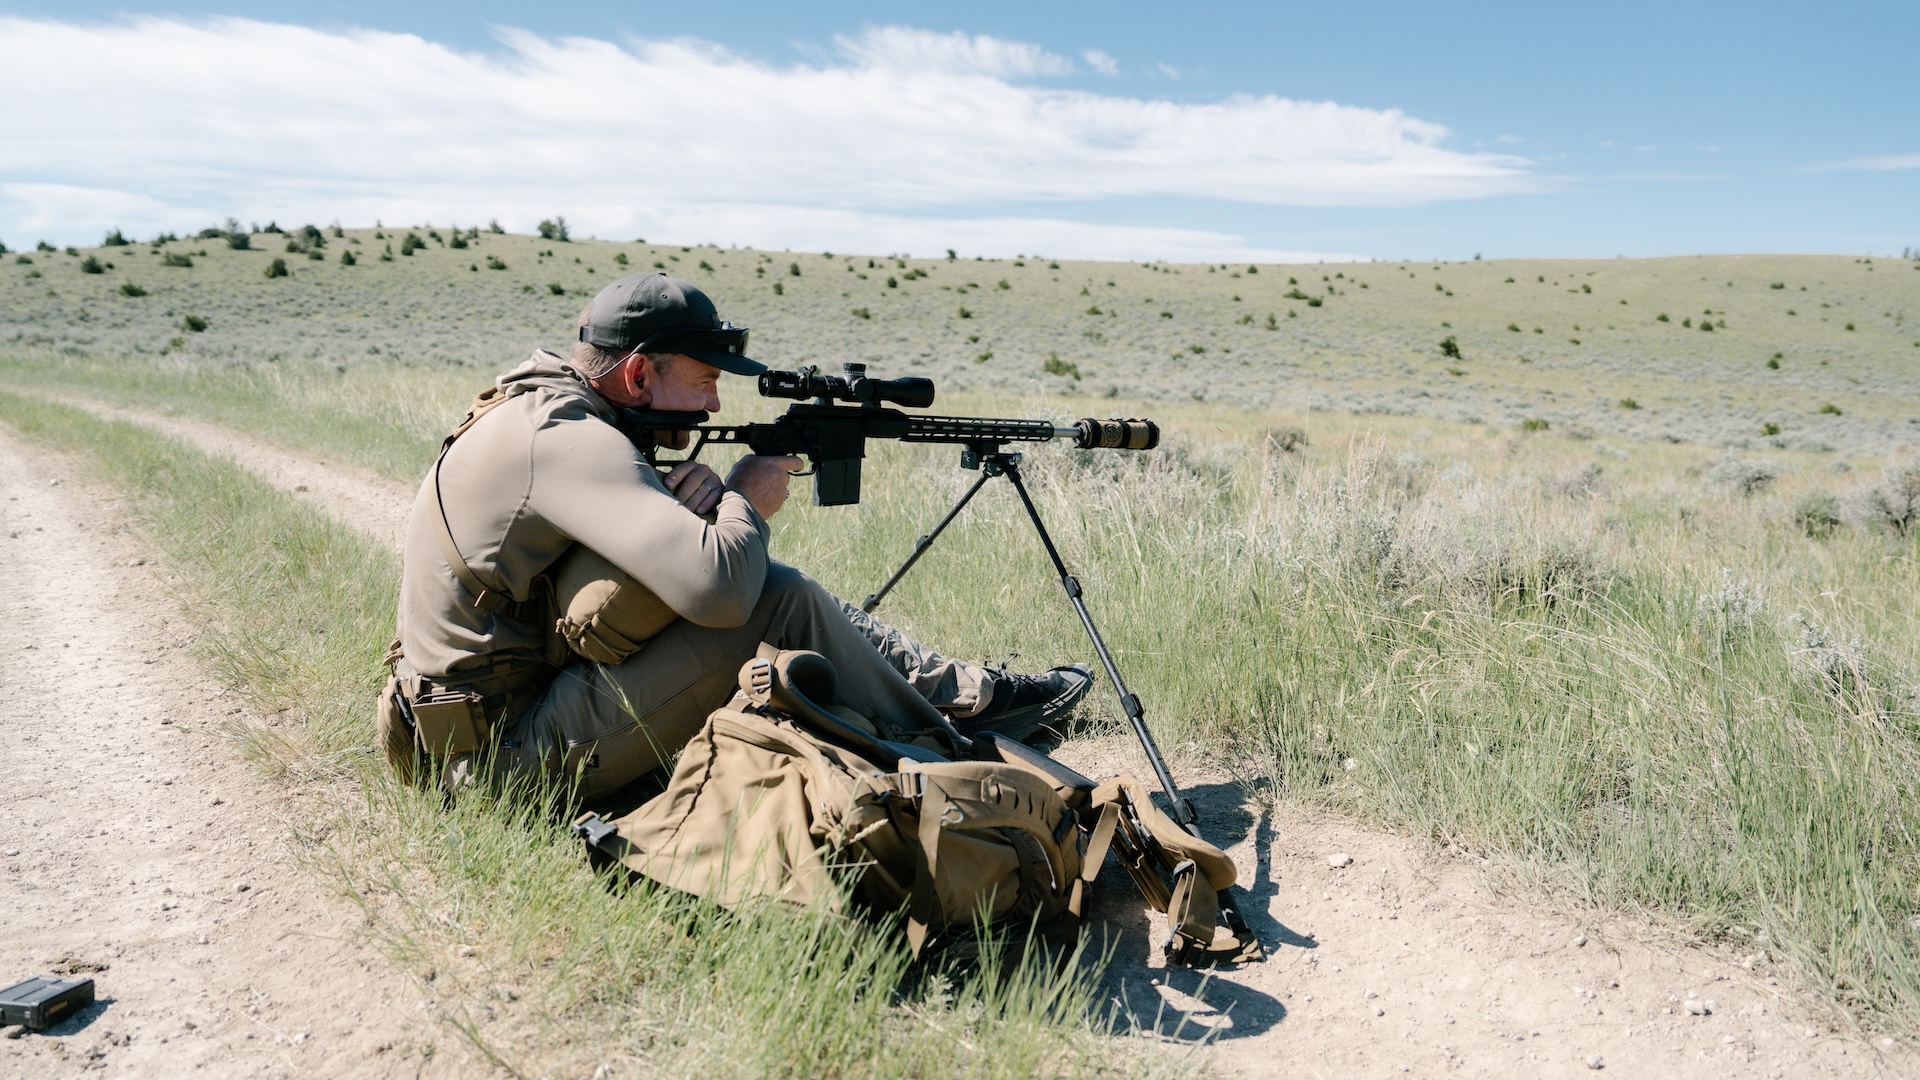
pixel 1116 434
pixel 913 392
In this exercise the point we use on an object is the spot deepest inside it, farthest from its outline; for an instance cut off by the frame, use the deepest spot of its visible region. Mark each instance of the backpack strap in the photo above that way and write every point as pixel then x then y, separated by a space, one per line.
pixel 1177 872
pixel 484 599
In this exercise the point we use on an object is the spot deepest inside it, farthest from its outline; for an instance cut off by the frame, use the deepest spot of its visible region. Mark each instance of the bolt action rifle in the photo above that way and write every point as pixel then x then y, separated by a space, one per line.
pixel 833 439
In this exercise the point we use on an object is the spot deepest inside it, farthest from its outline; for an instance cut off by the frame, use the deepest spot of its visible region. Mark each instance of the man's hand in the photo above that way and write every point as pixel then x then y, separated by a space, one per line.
pixel 697 487
pixel 763 480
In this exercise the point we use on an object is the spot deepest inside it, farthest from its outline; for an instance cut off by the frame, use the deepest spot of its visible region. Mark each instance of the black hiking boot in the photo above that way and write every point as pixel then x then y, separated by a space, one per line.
pixel 1022 704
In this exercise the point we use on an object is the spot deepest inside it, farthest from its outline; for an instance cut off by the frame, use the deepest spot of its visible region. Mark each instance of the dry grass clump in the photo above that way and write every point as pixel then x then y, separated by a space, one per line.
pixel 1394 521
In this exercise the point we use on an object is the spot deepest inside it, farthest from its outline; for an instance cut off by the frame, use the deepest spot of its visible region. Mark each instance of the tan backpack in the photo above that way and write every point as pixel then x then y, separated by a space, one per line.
pixel 777 795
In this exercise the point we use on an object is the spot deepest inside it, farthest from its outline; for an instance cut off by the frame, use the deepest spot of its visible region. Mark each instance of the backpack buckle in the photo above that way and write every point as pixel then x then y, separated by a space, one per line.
pixel 907 785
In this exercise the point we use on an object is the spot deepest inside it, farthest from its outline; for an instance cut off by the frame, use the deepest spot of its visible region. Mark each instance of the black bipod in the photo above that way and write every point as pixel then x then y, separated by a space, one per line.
pixel 987 457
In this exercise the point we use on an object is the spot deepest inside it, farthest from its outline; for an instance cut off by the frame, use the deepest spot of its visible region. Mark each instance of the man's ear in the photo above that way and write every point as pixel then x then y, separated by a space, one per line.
pixel 637 377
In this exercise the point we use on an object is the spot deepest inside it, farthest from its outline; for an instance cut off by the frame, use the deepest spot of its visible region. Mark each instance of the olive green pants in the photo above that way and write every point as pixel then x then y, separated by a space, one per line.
pixel 609 724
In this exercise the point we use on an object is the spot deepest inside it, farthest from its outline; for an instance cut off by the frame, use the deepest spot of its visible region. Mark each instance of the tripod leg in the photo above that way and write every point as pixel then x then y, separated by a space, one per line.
pixel 921 545
pixel 1182 810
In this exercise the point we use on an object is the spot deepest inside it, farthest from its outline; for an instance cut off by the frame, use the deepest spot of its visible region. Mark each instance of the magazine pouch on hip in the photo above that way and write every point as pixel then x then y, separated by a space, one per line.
pixel 451 722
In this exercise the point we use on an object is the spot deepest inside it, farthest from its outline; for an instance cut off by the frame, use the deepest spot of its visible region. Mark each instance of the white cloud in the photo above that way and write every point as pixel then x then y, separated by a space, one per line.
pixel 1100 62
pixel 1891 163
pixel 178 122
pixel 904 49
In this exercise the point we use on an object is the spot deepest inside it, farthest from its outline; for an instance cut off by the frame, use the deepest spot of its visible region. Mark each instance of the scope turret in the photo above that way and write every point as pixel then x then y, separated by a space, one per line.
pixel 855 385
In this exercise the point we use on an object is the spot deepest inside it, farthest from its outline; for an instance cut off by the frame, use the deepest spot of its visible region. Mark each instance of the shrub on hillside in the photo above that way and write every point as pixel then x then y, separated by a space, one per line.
pixel 347 258
pixel 1286 439
pixel 1817 513
pixel 277 268
pixel 1893 504
pixel 1743 476
pixel 411 243
pixel 1063 368
pixel 554 229
pixel 1581 483
pixel 494 262
pixel 114 239
pixel 239 241
pixel 194 324
pixel 130 289
pixel 175 259
pixel 91 265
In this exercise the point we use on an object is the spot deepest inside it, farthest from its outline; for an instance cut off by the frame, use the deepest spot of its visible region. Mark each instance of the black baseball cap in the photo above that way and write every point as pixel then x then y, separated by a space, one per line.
pixel 657 313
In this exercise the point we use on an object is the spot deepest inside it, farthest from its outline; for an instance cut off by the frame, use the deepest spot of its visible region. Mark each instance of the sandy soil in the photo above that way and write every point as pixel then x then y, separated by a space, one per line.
pixel 138 850
pixel 1400 962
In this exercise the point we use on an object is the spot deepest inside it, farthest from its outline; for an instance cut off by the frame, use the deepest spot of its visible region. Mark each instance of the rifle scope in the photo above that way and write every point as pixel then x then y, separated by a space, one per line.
pixel 914 393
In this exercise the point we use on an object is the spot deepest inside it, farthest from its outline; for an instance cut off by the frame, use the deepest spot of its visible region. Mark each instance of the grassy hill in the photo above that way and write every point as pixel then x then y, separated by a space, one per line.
pixel 1788 352
pixel 1514 597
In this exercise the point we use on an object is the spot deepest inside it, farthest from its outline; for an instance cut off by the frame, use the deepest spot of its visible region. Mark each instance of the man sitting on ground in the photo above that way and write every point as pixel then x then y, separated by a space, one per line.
pixel 547 469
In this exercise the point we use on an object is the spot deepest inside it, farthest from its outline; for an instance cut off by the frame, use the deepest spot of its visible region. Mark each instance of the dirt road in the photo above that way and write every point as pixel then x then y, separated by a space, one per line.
pixel 1397 962
pixel 137 849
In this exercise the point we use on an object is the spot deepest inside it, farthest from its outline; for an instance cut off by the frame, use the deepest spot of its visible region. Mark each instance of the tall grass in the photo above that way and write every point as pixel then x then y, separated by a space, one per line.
pixel 539 965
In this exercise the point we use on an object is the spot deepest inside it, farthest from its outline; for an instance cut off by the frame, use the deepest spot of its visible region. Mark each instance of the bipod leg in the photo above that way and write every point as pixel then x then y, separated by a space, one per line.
pixel 1181 810
pixel 921 545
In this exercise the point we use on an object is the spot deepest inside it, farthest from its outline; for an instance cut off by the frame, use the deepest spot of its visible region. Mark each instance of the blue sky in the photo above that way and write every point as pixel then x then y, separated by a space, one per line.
pixel 1112 130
